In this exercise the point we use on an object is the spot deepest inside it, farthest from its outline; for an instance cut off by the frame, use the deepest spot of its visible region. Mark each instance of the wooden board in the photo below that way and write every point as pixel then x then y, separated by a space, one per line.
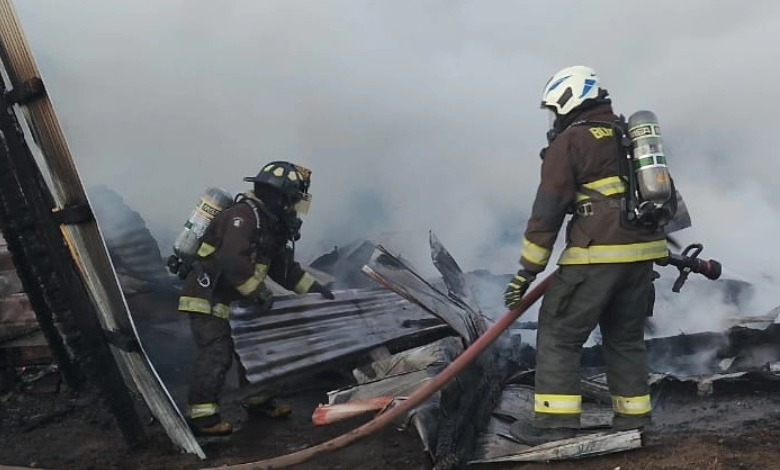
pixel 17 317
pixel 582 446
pixel 28 350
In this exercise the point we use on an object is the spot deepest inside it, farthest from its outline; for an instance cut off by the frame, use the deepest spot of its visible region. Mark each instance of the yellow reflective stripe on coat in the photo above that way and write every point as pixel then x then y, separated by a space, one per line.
pixel 535 254
pixel 303 286
pixel 250 285
pixel 206 249
pixel 198 305
pixel 200 410
pixel 599 254
pixel 631 405
pixel 608 186
pixel 557 404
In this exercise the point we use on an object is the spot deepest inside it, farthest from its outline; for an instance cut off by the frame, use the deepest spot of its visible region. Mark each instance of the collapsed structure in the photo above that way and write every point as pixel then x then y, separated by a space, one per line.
pixel 397 329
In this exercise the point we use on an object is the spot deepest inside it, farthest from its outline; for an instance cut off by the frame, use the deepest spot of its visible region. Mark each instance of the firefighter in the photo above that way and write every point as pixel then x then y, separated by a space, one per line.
pixel 244 244
pixel 605 272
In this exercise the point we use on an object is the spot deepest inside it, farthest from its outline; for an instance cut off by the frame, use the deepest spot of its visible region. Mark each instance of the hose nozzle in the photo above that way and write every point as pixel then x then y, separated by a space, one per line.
pixel 688 262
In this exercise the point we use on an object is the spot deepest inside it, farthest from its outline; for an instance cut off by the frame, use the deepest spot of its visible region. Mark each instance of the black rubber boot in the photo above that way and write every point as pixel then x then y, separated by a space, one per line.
pixel 626 423
pixel 264 405
pixel 209 426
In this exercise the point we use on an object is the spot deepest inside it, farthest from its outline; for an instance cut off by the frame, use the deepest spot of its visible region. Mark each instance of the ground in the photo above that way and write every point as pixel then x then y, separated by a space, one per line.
pixel 737 429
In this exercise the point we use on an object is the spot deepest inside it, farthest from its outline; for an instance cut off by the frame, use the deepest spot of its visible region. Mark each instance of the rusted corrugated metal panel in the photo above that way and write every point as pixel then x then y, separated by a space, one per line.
pixel 306 333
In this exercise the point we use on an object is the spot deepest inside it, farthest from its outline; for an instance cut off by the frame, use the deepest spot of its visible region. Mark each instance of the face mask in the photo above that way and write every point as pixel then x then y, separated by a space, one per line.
pixel 552 132
pixel 551 117
pixel 293 225
pixel 302 207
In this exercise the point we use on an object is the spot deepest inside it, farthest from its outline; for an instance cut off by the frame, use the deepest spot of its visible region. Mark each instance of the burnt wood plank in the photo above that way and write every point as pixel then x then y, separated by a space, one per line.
pixel 582 446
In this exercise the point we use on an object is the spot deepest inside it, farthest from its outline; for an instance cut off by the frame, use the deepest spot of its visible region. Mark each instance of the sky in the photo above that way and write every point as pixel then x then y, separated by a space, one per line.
pixel 413 115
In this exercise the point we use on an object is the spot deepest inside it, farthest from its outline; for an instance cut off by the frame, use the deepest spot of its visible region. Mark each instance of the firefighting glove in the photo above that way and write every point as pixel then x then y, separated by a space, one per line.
pixel 262 293
pixel 322 290
pixel 516 289
pixel 262 298
pixel 178 267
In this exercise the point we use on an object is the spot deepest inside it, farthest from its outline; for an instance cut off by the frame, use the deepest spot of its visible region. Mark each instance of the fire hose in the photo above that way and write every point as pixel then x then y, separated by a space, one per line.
pixel 415 399
pixel 686 262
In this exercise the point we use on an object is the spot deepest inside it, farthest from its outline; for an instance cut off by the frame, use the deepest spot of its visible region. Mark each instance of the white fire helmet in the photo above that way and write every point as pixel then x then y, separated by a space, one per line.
pixel 569 88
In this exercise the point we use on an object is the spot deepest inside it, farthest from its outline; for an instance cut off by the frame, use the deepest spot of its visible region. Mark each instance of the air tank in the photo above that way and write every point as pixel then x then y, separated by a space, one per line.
pixel 211 203
pixel 652 174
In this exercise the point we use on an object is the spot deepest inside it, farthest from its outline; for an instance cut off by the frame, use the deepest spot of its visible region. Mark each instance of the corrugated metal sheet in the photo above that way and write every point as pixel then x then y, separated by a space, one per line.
pixel 306 333
pixel 396 274
pixel 458 286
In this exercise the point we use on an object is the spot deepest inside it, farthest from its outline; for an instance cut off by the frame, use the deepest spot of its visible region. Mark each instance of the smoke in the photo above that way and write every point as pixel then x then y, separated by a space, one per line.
pixel 412 115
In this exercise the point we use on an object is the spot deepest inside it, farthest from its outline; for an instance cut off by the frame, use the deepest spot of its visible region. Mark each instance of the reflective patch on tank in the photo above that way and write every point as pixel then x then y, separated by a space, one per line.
pixel 650 161
pixel 237 222
pixel 208 209
pixel 644 130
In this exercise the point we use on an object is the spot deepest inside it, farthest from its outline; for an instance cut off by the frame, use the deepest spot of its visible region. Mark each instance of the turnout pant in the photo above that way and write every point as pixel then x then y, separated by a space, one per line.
pixel 213 360
pixel 616 297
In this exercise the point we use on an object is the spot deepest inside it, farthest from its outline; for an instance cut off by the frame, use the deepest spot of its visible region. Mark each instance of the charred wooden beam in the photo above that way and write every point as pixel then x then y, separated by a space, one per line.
pixel 61 303
pixel 104 303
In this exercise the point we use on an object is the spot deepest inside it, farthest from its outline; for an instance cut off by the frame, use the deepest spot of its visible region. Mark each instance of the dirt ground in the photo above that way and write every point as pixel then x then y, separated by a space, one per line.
pixel 737 427
pixel 40 428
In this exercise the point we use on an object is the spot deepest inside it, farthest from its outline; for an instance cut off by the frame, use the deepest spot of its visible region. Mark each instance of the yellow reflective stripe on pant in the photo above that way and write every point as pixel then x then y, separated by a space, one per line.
pixel 198 305
pixel 206 250
pixel 632 405
pixel 201 410
pixel 251 284
pixel 304 284
pixel 535 254
pixel 599 254
pixel 557 404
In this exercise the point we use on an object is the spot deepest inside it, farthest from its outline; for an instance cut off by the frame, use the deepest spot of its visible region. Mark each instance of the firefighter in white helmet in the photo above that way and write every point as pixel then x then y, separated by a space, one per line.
pixel 605 272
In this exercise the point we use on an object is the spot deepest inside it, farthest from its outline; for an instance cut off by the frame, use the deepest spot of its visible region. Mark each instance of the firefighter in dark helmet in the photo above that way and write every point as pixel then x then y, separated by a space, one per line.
pixel 244 244
pixel 605 272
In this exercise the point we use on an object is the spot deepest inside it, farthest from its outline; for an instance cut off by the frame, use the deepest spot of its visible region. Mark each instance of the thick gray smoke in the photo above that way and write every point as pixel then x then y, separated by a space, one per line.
pixel 412 115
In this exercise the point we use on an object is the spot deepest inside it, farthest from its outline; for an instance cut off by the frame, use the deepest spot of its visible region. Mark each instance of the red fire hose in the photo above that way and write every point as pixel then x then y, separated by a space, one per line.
pixel 415 399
